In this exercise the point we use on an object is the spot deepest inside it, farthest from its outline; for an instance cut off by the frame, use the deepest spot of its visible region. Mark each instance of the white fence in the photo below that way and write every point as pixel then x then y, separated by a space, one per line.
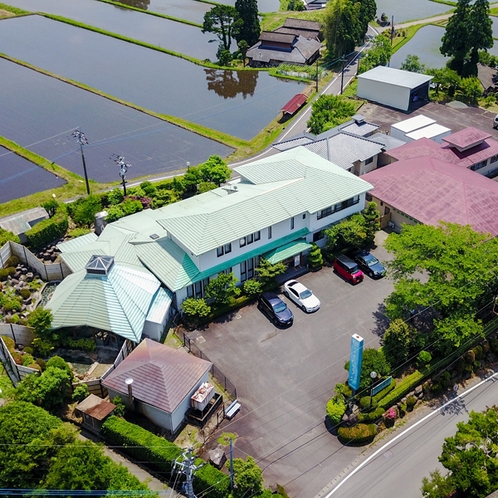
pixel 15 372
pixel 20 333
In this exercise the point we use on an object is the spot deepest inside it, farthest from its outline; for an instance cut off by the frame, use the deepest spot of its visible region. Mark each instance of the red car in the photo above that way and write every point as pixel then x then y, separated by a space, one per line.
pixel 348 269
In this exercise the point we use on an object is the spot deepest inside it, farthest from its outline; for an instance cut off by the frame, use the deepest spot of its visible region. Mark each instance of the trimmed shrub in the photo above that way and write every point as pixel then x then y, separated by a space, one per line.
pixel 315 257
pixel 212 481
pixel 469 357
pixel 80 393
pixel 403 387
pixel 9 342
pixel 359 434
pixel 140 444
pixel 58 362
pixel 12 261
pixel 411 401
pixel 336 407
pixel 373 416
pixel 5 236
pixel 252 287
pixel 365 404
pixel 478 353
pixel 424 358
pixel 78 232
pixel 27 360
pixel 130 206
pixel 17 357
pixel 25 293
pixel 13 319
pixel 42 363
pixel 47 231
pixel 28 350
pixel 6 272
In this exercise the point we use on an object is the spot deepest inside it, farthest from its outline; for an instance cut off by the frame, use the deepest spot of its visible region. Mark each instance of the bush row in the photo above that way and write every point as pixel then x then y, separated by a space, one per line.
pixel 142 445
pixel 358 434
pixel 47 231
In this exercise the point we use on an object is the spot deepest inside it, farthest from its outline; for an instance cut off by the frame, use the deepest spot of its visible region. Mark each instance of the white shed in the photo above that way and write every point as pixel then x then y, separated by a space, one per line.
pixel 434 131
pixel 402 128
pixel 395 88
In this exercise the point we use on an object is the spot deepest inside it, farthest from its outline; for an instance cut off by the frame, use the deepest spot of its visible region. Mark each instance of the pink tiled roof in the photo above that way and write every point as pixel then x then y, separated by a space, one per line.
pixel 430 191
pixel 467 137
pixel 425 147
pixel 162 376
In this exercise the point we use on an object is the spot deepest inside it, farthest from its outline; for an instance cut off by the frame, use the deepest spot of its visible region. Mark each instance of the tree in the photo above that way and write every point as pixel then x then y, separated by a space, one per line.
pixel 412 63
pixel 243 48
pixel 328 111
pixel 189 182
pixel 50 206
pixel 470 456
pixel 195 308
pixel 371 215
pixel 83 210
pixel 378 55
pixel 374 360
pixel 249 29
pixel 348 235
pixel 445 79
pixel 315 257
pixel 342 27
pixel 214 170
pixel 367 13
pixel 222 21
pixel 41 320
pixel 222 288
pixel 437 486
pixel 469 90
pixel 459 277
pixel 336 407
pixel 247 476
pixel 468 30
pixel 399 340
pixel 268 272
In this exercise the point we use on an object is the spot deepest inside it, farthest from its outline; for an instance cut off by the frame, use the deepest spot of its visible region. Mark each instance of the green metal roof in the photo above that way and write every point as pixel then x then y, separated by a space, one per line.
pixel 117 302
pixel 287 251
pixel 271 190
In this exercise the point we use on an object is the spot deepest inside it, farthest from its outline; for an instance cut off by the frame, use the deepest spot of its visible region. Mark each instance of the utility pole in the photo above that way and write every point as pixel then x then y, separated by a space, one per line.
pixel 82 140
pixel 187 467
pixel 317 75
pixel 123 168
pixel 343 60
pixel 231 463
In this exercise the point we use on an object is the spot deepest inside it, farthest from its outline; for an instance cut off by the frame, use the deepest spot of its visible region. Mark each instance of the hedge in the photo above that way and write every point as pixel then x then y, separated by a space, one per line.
pixel 47 231
pixel 403 388
pixel 359 434
pixel 371 416
pixel 141 444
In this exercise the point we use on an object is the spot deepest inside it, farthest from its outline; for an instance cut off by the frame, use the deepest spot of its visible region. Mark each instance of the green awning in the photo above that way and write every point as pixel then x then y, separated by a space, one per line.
pixel 287 251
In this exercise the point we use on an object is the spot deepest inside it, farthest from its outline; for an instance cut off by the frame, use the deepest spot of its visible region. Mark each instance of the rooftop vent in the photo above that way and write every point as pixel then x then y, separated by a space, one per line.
pixel 154 236
pixel 99 265
pixel 230 188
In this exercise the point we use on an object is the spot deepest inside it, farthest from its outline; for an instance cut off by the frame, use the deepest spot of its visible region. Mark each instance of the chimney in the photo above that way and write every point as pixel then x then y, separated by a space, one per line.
pixel 129 382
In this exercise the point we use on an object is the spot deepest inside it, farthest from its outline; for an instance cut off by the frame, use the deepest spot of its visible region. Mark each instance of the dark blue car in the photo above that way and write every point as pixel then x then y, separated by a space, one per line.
pixel 369 264
pixel 275 309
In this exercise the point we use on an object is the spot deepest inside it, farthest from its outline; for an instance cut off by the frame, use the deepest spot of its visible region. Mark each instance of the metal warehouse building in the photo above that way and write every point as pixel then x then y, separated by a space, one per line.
pixel 395 88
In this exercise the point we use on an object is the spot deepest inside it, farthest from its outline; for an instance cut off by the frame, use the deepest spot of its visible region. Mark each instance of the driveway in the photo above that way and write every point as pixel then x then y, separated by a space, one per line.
pixel 284 377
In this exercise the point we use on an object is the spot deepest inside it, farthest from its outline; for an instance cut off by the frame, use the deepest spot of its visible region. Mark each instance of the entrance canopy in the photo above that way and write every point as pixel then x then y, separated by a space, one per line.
pixel 287 251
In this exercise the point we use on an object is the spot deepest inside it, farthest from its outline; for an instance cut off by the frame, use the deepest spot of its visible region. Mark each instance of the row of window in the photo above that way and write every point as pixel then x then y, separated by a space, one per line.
pixel 249 239
pixel 338 207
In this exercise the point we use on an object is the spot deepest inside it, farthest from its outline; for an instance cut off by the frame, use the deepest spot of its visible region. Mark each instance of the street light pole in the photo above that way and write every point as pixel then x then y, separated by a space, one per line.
pixel 82 140
pixel 123 168
pixel 373 376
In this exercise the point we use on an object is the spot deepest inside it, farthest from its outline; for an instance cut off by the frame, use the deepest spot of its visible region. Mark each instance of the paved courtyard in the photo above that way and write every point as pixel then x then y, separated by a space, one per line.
pixel 284 377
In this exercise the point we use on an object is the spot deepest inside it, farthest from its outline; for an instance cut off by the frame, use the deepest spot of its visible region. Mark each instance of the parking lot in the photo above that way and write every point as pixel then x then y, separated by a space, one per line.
pixel 284 377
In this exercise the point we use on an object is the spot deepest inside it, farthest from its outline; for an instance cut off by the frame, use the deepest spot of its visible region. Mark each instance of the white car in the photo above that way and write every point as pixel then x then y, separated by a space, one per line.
pixel 302 296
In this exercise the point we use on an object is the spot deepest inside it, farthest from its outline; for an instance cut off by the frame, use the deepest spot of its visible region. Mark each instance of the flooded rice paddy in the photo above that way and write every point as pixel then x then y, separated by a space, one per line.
pixel 409 10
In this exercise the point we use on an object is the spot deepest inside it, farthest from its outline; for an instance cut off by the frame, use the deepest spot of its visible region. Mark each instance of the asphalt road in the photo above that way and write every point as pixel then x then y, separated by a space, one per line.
pixel 398 466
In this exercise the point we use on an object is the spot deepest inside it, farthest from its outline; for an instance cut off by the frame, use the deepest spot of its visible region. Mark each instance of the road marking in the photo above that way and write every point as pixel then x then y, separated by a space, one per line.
pixel 423 419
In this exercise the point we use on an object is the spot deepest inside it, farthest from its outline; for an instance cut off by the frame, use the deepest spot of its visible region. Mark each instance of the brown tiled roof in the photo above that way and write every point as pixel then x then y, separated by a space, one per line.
pixel 162 376
pixel 302 24
pixel 466 138
pixel 96 407
pixel 272 36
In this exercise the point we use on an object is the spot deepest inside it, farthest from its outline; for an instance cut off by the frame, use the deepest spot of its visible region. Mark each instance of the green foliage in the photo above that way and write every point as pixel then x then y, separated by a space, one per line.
pixel 412 63
pixel 371 217
pixel 195 308
pixel 437 486
pixel 140 444
pixel 42 347
pixel 114 213
pixel 214 170
pixel 368 416
pixel 41 321
pixel 80 393
pixel 25 293
pixel 78 232
pixel 9 342
pixel 50 206
pixel 374 360
pixel 42 363
pixel 296 5
pixel 424 358
pixel 267 272
pixel 399 340
pixel 378 55
pixel 120 409
pixel 58 362
pixel 402 388
pixel 6 272
pixel 252 287
pixel 358 434
pixel 315 258
pixel 445 80
pixel 46 231
pixel 469 90
pixel 411 401
pixel 12 261
pixel 88 345
pixel 83 210
pixel 5 236
pixel 248 478
pixel 348 235
pixel 329 111
pixel 458 265
pixel 468 31
pixel 205 187
pixel 336 407
pixel 365 404
pixel 222 288
pixel 115 197
pixel 209 481
pixel 148 188
pixel 131 206
pixel 249 28
pixel 223 21
pixel 27 360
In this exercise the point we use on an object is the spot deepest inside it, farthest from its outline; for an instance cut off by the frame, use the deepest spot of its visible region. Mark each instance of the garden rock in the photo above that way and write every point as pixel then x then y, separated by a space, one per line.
pixel 29 276
pixel 418 391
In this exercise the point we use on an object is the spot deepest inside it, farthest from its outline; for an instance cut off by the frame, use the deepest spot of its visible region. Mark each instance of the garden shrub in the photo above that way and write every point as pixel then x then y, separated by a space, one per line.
pixel 114 197
pixel 34 366
pixel 315 257
pixel 6 272
pixel 114 213
pixel 13 319
pixel 42 347
pixel 5 236
pixel 478 352
pixel 140 444
pixel 9 342
pixel 195 308
pixel 47 231
pixel 130 206
pixel 336 407
pixel 358 434
pixel 84 209
pixel 27 360
pixel 445 380
pixel 365 404
pixel 469 357
pixel 28 350
pixel 411 401
pixel 252 287
pixel 25 293
pixel 58 362
pixel 12 261
pixel 120 409
pixel 17 357
pixel 88 345
pixel 80 393
pixel 371 416
pixel 12 305
pixel 42 363
pixel 424 358
pixel 494 345
pixel 402 388
pixel 148 188
pixel 78 232
pixel 211 481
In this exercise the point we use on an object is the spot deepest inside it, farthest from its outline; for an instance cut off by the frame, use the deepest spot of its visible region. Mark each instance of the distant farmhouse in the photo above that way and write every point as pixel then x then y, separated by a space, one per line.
pixel 296 42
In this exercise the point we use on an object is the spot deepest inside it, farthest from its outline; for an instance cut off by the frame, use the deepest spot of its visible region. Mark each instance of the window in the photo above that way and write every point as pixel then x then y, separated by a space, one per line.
pixel 368 197
pixel 219 251
pixel 304 216
pixel 369 160
pixel 257 236
pixel 228 248
pixel 249 239
pixel 292 223
pixel 227 271
pixel 325 212
pixel 242 242
pixel 318 235
pixel 197 289
pixel 269 233
pixel 246 269
pixel 480 165
pixel 493 159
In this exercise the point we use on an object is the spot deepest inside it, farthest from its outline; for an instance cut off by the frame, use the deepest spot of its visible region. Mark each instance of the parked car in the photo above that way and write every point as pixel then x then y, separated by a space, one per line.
pixel 369 264
pixel 275 309
pixel 302 296
pixel 348 269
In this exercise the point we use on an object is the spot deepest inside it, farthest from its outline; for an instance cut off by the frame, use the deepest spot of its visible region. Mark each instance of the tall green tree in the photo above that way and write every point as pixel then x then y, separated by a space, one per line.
pixel 223 21
pixel 328 111
pixel 248 478
pixel 400 339
pixel 459 276
pixel 222 288
pixel 378 55
pixel 249 28
pixel 468 30
pixel 342 26
pixel 214 170
pixel 371 215
pixel 412 63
